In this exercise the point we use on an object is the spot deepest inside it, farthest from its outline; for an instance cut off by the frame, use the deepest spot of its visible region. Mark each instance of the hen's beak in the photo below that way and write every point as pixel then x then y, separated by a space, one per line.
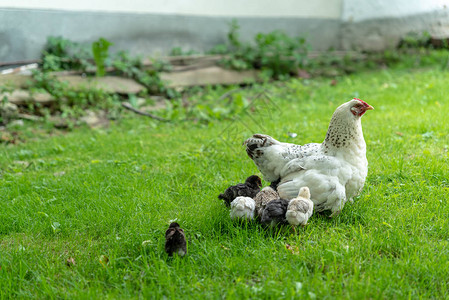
pixel 369 107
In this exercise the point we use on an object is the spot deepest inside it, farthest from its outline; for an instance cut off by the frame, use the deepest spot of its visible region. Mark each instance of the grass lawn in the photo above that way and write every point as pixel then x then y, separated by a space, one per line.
pixel 102 199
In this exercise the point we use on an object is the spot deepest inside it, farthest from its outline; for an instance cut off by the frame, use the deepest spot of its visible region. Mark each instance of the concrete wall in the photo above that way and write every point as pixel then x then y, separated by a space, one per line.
pixel 143 26
pixel 376 25
pixel 250 8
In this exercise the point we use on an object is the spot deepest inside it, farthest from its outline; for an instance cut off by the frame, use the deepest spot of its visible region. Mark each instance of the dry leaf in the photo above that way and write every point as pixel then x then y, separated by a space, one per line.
pixel 147 242
pixel 70 262
pixel 399 133
pixel 9 138
pixel 303 74
pixel 292 249
pixel 104 260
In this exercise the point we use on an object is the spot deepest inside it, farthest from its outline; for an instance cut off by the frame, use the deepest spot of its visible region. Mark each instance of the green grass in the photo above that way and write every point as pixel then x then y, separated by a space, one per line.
pixel 123 185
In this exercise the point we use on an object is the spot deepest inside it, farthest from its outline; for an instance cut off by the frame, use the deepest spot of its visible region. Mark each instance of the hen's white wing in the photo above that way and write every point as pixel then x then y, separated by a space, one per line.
pixel 326 177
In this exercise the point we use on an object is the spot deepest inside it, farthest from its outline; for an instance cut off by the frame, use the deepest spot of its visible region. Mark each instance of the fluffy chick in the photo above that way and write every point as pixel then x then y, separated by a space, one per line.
pixel 242 207
pixel 266 195
pixel 274 211
pixel 250 188
pixel 175 240
pixel 300 208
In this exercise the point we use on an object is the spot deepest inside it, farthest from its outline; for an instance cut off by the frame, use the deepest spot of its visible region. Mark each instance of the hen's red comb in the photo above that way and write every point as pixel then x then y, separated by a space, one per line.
pixel 363 102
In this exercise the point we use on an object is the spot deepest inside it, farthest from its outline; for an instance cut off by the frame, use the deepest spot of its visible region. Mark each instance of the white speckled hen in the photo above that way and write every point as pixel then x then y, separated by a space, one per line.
pixel 334 170
pixel 300 209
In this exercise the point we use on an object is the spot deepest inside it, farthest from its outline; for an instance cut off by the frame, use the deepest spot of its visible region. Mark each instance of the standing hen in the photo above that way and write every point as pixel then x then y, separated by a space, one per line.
pixel 334 170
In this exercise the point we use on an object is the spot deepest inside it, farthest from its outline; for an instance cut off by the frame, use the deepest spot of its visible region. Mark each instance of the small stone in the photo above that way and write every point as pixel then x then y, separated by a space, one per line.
pixel 95 120
pixel 17 123
pixel 22 97
pixel 22 163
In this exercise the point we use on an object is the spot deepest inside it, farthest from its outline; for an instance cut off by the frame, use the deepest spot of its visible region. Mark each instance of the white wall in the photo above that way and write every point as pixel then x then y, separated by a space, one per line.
pixel 329 9
pixel 356 10
pixel 346 10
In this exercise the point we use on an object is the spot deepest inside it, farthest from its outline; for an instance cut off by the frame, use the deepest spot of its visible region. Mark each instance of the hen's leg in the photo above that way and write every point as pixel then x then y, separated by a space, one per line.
pixel 335 213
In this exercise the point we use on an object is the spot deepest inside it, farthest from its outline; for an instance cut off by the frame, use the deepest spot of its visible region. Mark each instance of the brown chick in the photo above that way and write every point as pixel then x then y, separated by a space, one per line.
pixel 266 195
pixel 175 240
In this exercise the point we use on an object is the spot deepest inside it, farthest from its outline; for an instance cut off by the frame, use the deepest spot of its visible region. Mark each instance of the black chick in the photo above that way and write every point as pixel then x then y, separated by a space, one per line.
pixel 274 211
pixel 175 240
pixel 250 189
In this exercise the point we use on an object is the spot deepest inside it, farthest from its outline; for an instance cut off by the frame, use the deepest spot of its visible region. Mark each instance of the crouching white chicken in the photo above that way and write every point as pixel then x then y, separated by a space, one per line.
pixel 242 208
pixel 334 170
pixel 300 209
